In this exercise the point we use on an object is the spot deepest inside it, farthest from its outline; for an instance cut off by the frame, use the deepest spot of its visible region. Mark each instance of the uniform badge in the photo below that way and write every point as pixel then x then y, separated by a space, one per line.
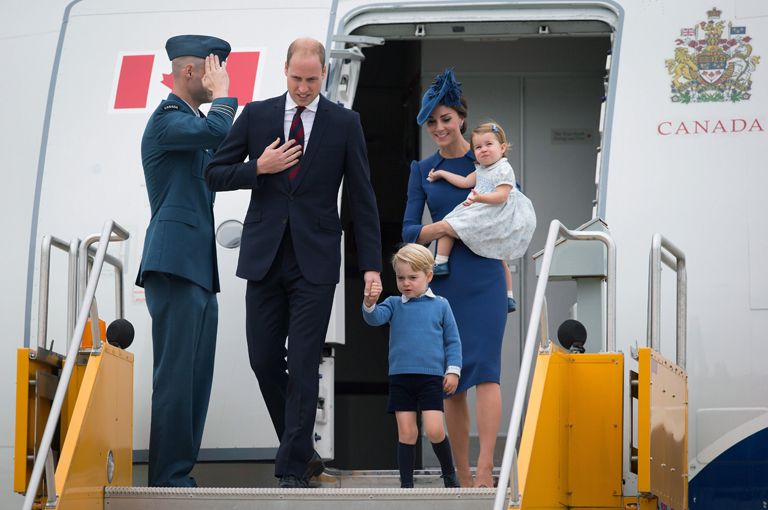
pixel 710 65
pixel 171 107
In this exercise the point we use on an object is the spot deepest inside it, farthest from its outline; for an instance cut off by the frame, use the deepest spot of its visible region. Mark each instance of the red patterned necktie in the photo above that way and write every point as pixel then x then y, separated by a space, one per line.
pixel 297 133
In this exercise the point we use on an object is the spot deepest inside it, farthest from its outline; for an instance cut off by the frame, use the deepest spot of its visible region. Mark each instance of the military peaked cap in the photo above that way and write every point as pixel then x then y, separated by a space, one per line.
pixel 197 46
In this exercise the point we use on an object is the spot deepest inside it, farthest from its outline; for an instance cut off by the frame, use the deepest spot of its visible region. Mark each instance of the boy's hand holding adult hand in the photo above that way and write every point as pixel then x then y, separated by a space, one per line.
pixel 371 277
pixel 373 294
pixel 450 383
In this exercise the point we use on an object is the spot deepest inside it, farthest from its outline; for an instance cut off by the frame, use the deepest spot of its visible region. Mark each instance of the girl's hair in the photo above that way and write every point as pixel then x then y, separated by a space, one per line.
pixel 461 109
pixel 488 127
pixel 416 256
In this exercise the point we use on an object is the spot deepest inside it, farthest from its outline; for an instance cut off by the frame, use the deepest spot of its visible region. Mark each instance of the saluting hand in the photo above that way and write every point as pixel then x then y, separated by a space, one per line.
pixel 216 79
pixel 275 159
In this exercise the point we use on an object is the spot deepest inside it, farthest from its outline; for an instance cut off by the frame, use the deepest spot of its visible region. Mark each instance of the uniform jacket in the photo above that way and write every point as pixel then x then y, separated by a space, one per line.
pixel 175 149
pixel 336 150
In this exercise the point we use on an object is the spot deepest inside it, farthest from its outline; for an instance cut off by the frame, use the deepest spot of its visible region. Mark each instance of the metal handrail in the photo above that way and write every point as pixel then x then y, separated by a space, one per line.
pixel 74 244
pixel 45 270
pixel 66 373
pixel 42 321
pixel 83 262
pixel 544 325
pixel 555 228
pixel 50 478
pixel 514 486
pixel 677 264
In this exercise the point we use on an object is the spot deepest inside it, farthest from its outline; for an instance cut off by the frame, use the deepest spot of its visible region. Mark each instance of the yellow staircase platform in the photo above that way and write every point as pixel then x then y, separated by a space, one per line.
pixel 96 427
pixel 571 448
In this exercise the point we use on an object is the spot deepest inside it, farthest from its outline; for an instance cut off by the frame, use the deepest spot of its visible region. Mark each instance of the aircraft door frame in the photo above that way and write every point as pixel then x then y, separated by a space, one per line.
pixel 423 18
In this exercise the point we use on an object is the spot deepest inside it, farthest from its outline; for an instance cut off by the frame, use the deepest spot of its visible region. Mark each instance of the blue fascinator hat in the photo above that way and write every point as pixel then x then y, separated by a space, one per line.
pixel 445 89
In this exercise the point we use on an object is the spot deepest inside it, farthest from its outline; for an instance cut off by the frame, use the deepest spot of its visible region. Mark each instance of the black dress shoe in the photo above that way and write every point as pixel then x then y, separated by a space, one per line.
pixel 315 467
pixel 291 482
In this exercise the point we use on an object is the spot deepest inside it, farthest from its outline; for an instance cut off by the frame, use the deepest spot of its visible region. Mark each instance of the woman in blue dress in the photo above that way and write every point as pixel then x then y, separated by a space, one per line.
pixel 476 286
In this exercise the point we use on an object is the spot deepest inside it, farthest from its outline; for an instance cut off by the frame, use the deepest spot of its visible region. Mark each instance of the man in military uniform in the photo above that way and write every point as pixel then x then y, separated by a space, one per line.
pixel 178 269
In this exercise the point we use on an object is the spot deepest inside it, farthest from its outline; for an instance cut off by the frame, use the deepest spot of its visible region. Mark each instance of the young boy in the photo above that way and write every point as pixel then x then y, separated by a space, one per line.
pixel 424 358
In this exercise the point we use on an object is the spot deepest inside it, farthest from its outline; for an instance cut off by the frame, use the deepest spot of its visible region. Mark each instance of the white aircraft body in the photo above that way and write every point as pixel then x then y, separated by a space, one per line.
pixel 649 114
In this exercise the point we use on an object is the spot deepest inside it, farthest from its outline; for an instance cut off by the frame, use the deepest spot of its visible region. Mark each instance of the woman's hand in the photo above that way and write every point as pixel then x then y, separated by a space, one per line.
pixel 472 198
pixel 450 383
pixel 435 175
pixel 373 296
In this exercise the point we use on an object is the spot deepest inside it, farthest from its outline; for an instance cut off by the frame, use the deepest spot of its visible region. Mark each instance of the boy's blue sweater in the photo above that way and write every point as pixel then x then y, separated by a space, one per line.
pixel 423 338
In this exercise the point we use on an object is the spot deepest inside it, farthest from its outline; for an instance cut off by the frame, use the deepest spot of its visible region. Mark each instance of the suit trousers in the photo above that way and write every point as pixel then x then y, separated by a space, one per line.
pixel 184 322
pixel 284 304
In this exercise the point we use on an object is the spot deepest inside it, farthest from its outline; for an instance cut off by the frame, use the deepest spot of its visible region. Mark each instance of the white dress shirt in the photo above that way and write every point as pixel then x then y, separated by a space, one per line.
pixel 194 110
pixel 307 118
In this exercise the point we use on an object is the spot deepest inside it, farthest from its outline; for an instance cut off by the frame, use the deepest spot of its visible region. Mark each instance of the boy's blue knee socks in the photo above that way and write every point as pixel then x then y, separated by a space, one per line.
pixel 444 455
pixel 406 460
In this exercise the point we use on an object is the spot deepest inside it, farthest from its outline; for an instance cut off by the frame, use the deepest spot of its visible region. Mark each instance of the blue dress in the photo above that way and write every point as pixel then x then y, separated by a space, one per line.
pixel 476 287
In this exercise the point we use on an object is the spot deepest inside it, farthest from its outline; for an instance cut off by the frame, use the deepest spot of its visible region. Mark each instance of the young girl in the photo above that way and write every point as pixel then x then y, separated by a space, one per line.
pixel 424 358
pixel 496 220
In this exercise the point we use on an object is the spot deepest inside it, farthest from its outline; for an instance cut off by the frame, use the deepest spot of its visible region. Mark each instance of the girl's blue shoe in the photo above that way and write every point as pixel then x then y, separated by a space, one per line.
pixel 441 269
pixel 511 306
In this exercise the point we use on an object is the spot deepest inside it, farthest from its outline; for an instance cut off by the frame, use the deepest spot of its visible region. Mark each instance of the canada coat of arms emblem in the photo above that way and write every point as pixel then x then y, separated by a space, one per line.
pixel 713 62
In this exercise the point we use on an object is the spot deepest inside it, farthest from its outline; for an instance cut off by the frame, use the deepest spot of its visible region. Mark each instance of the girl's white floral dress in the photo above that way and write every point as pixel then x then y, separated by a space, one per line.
pixel 495 231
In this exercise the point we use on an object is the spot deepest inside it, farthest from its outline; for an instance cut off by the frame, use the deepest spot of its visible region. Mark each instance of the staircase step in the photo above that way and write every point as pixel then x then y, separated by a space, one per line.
pixel 154 498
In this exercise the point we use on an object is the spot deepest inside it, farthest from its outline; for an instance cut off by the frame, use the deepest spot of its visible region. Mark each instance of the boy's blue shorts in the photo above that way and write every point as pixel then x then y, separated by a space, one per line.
pixel 409 392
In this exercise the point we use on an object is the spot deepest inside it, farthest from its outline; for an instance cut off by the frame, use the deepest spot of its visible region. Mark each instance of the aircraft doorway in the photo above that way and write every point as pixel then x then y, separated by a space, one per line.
pixel 546 92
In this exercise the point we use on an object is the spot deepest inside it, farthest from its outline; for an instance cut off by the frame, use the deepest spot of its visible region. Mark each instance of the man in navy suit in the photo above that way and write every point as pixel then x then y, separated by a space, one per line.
pixel 290 252
pixel 178 268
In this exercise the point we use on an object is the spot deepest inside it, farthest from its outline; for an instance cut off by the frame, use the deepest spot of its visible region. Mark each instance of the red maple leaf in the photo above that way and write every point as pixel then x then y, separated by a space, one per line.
pixel 747 39
pixel 168 80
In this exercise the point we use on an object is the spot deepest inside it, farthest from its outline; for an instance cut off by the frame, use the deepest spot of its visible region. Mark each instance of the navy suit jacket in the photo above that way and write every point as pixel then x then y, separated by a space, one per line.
pixel 336 150
pixel 175 149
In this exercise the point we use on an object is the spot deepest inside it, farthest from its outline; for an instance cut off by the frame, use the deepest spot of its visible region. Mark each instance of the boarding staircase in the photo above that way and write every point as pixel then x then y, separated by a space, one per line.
pixel 74 420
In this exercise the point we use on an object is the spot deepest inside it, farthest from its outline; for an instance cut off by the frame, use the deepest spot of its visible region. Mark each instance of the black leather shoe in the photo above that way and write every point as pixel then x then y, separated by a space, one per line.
pixel 291 482
pixel 451 481
pixel 315 467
